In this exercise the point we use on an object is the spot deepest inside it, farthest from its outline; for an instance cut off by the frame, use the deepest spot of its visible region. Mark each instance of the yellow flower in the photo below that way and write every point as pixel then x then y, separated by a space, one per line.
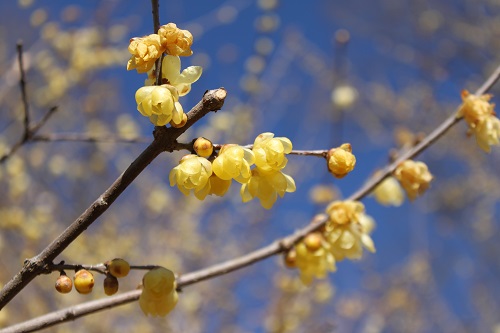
pixel 488 133
pixel 414 177
pixel 145 51
pixel 348 230
pixel 158 296
pixel 479 114
pixel 192 173
pixel 267 186
pixel 270 152
pixel 340 160
pixel 218 186
pixel 159 103
pixel 176 41
pixel 234 162
pixel 313 261
pixel 389 192
pixel 343 212
pixel 171 71
pixel 475 109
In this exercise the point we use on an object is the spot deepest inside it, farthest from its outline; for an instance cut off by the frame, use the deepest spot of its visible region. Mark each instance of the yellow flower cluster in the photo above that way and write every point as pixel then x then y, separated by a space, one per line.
pixel 341 160
pixel 345 234
pixel 479 114
pixel 414 177
pixel 158 296
pixel 146 50
pixel 161 103
pixel 266 181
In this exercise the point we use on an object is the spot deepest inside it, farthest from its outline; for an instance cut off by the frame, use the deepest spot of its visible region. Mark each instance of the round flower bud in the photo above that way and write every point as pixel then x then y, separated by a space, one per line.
pixel 84 281
pixel 313 241
pixel 110 285
pixel 118 267
pixel 341 160
pixel 290 258
pixel 64 284
pixel 203 147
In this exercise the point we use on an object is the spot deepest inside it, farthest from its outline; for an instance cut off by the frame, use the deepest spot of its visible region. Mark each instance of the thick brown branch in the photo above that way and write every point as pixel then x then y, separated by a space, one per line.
pixel 164 141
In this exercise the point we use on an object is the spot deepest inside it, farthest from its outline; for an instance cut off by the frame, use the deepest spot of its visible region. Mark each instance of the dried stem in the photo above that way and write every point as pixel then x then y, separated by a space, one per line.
pixel 164 139
pixel 276 247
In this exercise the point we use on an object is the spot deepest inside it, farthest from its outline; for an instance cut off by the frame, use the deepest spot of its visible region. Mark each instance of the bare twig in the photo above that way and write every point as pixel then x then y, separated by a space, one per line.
pixel 164 138
pixel 24 94
pixel 28 130
pixel 276 247
pixel 84 137
pixel 318 153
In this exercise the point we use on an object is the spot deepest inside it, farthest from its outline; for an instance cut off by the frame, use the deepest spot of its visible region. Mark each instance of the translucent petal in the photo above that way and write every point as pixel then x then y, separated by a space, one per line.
pixel 190 75
pixel 171 68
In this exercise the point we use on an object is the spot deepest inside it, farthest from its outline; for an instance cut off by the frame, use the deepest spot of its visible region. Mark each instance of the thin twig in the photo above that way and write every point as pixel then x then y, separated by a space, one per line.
pixel 276 247
pixel 164 140
pixel 24 94
pixel 84 137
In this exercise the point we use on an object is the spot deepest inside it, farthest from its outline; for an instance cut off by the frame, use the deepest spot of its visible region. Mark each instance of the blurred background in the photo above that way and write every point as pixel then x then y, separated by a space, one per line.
pixel 375 74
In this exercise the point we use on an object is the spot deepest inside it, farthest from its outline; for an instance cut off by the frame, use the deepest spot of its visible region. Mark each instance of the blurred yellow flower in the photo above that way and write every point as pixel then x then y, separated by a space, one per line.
pixel 145 51
pixel 341 160
pixel 270 152
pixel 159 103
pixel 177 42
pixel 192 173
pixel 313 261
pixel 234 162
pixel 479 114
pixel 158 296
pixel 171 71
pixel 414 177
pixel 267 186
pixel 348 230
pixel 389 192
pixel 343 212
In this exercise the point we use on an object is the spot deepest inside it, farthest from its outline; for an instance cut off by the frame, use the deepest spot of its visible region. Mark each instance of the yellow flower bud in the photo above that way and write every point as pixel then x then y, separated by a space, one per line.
pixel 313 241
pixel 414 177
pixel 290 258
pixel 203 147
pixel 145 51
pixel 158 296
pixel 341 161
pixel 176 41
pixel 118 267
pixel 84 281
pixel 64 284
pixel 343 212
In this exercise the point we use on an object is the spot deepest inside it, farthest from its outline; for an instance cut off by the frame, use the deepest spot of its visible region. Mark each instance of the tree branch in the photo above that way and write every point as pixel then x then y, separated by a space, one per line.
pixel 164 139
pixel 24 94
pixel 276 247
